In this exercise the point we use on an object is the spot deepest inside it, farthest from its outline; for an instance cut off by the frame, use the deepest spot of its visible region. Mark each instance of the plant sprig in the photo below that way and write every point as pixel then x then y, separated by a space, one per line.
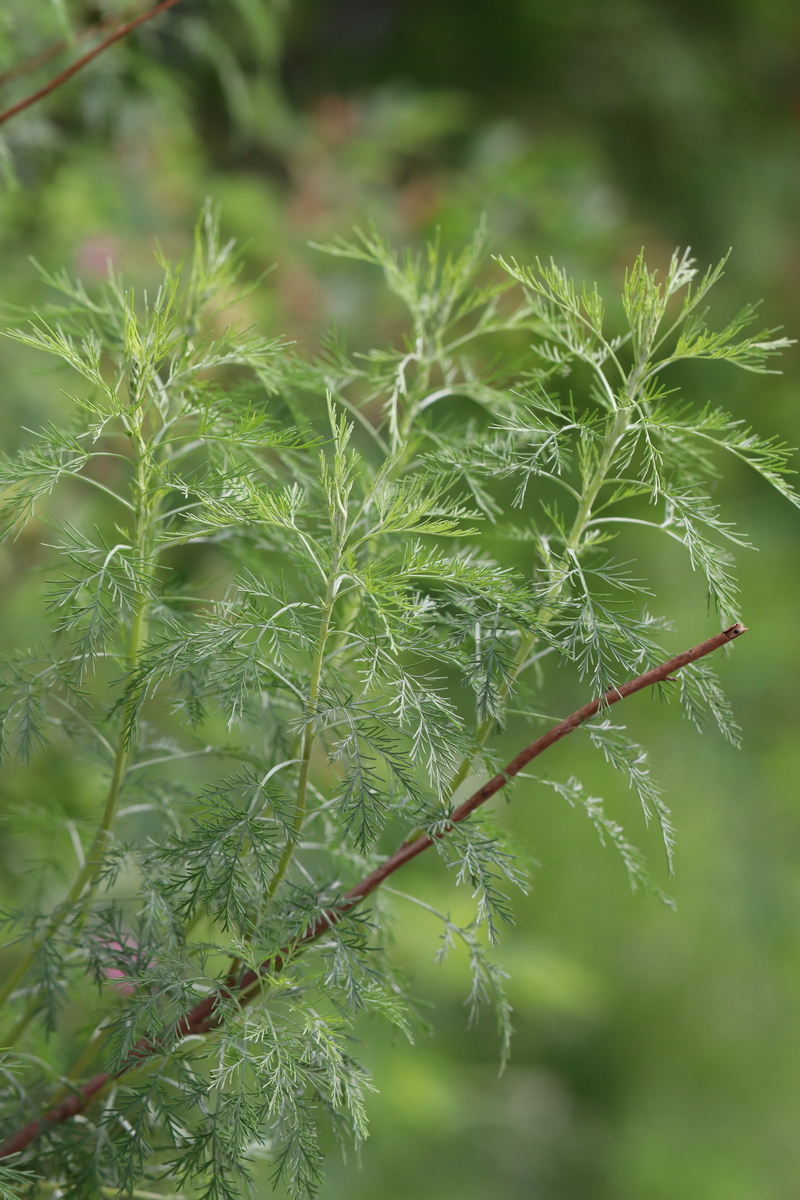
pixel 286 569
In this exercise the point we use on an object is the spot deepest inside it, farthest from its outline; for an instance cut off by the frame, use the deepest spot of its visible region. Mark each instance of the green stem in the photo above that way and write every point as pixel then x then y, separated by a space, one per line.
pixel 400 438
pixel 22 1024
pixel 87 876
pixel 308 735
pixel 94 858
pixel 614 435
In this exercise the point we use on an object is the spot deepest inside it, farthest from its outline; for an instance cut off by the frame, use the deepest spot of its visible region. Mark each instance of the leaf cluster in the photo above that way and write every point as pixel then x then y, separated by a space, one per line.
pixel 282 640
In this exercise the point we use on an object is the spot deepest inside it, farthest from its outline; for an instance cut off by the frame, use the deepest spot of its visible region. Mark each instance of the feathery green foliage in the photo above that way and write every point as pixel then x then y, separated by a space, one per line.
pixel 287 580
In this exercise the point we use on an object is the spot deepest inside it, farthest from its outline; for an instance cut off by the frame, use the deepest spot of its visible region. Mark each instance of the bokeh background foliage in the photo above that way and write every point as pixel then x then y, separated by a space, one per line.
pixel 657 1055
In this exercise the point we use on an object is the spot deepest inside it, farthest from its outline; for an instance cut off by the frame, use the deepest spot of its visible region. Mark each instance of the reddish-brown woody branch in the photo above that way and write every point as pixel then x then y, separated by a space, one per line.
pixel 208 1013
pixel 61 47
pixel 120 32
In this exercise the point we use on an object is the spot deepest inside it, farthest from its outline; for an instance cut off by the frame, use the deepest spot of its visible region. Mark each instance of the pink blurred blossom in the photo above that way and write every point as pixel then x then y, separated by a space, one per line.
pixel 125 987
pixel 96 253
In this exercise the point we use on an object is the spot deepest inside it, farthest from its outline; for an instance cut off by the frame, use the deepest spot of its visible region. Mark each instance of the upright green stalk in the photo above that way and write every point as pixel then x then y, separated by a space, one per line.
pixel 143 534
pixel 308 732
pixel 87 877
pixel 614 435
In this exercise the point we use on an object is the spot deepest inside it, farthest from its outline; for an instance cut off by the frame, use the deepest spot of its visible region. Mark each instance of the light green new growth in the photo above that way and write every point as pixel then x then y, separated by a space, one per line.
pixel 287 583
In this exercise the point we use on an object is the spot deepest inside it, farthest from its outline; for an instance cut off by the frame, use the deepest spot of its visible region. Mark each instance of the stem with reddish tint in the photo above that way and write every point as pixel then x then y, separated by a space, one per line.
pixel 207 1015
pixel 61 47
pixel 121 32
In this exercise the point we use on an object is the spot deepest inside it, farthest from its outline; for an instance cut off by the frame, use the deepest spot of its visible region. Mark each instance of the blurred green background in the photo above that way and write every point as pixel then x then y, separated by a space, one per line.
pixel 657 1055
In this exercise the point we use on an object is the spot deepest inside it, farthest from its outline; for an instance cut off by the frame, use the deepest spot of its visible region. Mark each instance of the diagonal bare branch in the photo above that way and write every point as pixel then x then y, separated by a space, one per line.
pixel 28 65
pixel 207 1015
pixel 120 32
